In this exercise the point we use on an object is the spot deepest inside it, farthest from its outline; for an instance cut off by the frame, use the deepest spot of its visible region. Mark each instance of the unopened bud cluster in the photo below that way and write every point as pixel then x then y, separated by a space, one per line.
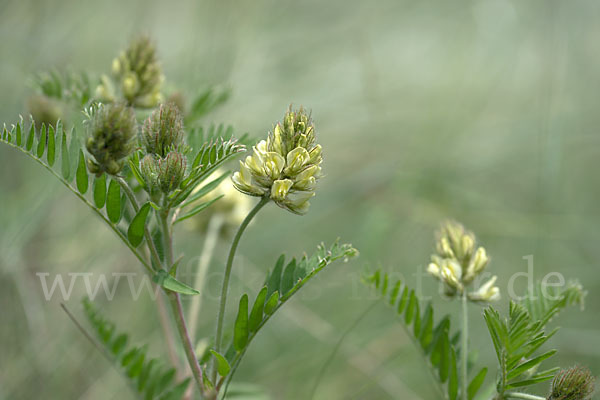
pixel 164 166
pixel 458 261
pixel 111 138
pixel 284 167
pixel 576 383
pixel 138 75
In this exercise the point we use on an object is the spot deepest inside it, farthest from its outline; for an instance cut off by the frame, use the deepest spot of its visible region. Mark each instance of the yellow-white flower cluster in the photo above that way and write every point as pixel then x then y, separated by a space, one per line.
pixel 284 167
pixel 458 261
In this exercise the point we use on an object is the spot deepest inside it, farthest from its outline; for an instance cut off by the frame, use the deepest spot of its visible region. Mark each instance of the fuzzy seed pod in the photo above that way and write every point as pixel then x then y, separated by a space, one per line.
pixel 576 383
pixel 171 171
pixel 163 130
pixel 284 167
pixel 110 140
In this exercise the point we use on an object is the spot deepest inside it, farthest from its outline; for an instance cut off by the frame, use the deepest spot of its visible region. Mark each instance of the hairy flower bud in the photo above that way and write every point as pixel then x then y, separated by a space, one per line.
pixel 576 383
pixel 163 130
pixel 459 261
pixel 172 170
pixel 284 167
pixel 138 74
pixel 111 133
pixel 150 172
pixel 44 110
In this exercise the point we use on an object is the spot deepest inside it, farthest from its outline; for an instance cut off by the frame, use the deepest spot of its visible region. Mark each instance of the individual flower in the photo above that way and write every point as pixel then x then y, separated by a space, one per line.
pixel 486 292
pixel 286 166
pixel 112 129
pixel 576 383
pixel 458 261
pixel 137 75
pixel 163 130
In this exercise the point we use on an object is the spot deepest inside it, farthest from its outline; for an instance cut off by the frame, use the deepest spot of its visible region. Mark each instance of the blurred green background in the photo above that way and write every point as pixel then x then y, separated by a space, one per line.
pixel 485 111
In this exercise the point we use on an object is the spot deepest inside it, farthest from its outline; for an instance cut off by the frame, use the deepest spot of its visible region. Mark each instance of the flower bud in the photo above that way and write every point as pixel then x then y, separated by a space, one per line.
pixel 172 170
pixel 150 172
pixel 163 130
pixel 139 74
pixel 286 166
pixel 576 383
pixel 44 110
pixel 111 131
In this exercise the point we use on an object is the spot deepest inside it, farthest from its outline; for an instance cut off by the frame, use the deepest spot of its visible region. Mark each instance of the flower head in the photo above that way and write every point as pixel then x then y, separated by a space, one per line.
pixel 138 75
pixel 163 130
pixel 576 383
pixel 111 132
pixel 284 167
pixel 458 261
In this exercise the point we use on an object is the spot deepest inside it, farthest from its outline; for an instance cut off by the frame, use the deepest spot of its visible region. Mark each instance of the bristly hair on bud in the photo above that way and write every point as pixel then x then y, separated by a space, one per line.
pixel 112 129
pixel 163 130
pixel 150 172
pixel 171 171
pixel 137 74
pixel 575 383
pixel 286 166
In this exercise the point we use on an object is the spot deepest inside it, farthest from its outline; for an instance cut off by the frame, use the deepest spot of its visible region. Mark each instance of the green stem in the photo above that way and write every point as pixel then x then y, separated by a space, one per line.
pixel 185 339
pixel 519 395
pixel 136 207
pixel 160 303
pixel 218 338
pixel 164 225
pixel 464 347
pixel 175 301
pixel 210 242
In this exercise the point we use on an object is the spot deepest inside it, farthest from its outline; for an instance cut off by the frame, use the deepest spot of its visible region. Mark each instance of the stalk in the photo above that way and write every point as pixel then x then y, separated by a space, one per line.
pixel 223 302
pixel 463 348
pixel 212 234
pixel 519 395
pixel 178 309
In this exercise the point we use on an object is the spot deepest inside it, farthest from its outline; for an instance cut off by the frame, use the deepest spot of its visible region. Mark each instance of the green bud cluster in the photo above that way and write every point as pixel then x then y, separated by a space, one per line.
pixel 576 383
pixel 44 110
pixel 111 138
pixel 163 130
pixel 171 171
pixel 137 74
pixel 164 166
pixel 284 167
pixel 458 261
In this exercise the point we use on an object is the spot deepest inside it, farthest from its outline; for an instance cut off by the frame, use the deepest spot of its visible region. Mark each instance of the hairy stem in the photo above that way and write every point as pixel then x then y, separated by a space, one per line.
pixel 464 347
pixel 166 328
pixel 218 338
pixel 185 339
pixel 160 302
pixel 167 235
pixel 175 301
pixel 136 207
pixel 210 242
pixel 519 395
